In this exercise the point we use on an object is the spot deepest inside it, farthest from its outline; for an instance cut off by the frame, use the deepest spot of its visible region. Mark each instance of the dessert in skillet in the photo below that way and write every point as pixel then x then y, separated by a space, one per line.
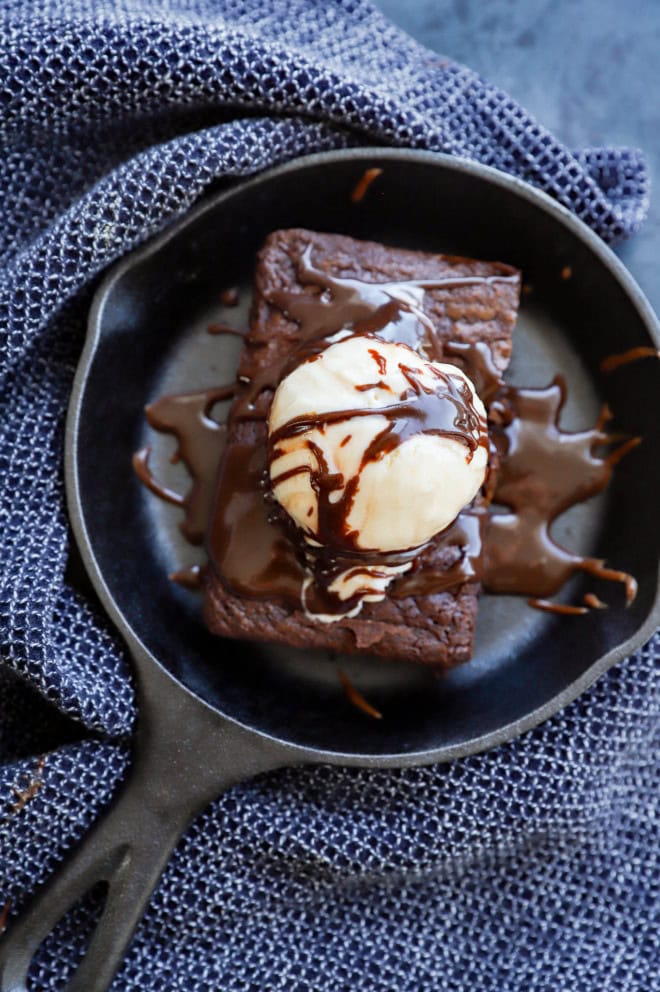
pixel 370 430
pixel 340 329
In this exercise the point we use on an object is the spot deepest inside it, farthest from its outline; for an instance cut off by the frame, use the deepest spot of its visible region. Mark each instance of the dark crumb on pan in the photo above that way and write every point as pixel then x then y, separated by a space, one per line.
pixel 613 362
pixel 191 577
pixel 565 609
pixel 364 183
pixel 591 599
pixel 229 297
pixel 527 289
pixel 356 698
pixel 567 272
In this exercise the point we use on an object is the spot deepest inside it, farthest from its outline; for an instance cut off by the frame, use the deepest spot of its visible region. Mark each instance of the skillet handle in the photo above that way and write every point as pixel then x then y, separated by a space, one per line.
pixel 129 846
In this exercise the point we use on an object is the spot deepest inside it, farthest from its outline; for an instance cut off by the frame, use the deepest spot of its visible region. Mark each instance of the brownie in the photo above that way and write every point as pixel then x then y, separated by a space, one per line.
pixel 435 629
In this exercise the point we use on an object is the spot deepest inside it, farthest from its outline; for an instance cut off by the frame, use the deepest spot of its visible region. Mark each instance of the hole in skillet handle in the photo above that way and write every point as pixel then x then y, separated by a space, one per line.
pixel 73 931
pixel 125 852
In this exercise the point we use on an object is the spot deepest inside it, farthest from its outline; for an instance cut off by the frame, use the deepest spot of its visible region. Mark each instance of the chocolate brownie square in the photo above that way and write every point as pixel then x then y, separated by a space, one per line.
pixel 434 629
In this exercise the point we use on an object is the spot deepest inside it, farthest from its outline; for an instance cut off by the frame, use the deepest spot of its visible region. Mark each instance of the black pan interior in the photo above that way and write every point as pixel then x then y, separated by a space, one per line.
pixel 152 339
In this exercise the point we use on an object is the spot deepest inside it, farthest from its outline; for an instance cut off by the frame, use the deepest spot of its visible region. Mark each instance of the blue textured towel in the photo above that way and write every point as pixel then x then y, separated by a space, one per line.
pixel 530 867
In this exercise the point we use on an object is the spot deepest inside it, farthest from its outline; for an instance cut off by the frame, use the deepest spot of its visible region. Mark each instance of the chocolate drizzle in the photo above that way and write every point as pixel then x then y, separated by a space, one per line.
pixel 147 478
pixel 255 555
pixel 445 409
pixel 541 469
pixel 201 442
pixel 563 609
pixel 356 698
pixel 229 297
pixel 466 536
pixel 220 328
pixel 393 311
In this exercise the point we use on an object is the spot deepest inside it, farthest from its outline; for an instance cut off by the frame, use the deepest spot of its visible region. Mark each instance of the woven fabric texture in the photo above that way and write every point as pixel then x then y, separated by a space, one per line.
pixel 530 867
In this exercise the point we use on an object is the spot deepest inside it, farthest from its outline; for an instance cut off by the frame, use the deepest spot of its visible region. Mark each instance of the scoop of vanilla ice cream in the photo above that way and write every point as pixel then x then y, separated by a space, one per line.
pixel 404 497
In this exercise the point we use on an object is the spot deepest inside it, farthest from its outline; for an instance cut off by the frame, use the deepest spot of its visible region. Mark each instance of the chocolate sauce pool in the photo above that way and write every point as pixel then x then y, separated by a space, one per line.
pixel 201 442
pixel 508 547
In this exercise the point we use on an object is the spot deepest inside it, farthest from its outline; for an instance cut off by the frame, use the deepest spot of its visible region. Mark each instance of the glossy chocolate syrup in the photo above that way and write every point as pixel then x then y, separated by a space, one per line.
pixel 446 410
pixel 230 296
pixel 323 565
pixel 591 600
pixel 219 328
pixel 201 442
pixel 393 311
pixel 542 469
pixel 563 609
pixel 254 554
pixel 465 538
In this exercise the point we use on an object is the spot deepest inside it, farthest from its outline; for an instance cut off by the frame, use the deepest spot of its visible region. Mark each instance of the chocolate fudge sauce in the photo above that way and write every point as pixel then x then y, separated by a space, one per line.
pixel 444 411
pixel 393 311
pixel 201 442
pixel 230 297
pixel 466 535
pixel 219 328
pixel 542 470
pixel 255 555
pixel 356 698
pixel 563 609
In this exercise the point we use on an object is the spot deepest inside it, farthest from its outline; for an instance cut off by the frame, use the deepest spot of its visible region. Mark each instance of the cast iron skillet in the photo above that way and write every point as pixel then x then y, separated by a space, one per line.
pixel 213 712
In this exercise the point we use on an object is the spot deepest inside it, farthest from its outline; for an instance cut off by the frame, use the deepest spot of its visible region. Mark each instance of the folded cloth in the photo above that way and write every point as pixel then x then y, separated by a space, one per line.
pixel 531 866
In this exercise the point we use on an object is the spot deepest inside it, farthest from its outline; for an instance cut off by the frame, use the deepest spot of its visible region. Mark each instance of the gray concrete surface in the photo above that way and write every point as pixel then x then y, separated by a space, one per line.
pixel 587 69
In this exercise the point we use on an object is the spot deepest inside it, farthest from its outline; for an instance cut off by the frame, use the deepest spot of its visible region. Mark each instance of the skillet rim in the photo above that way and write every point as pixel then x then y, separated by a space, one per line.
pixel 292 752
